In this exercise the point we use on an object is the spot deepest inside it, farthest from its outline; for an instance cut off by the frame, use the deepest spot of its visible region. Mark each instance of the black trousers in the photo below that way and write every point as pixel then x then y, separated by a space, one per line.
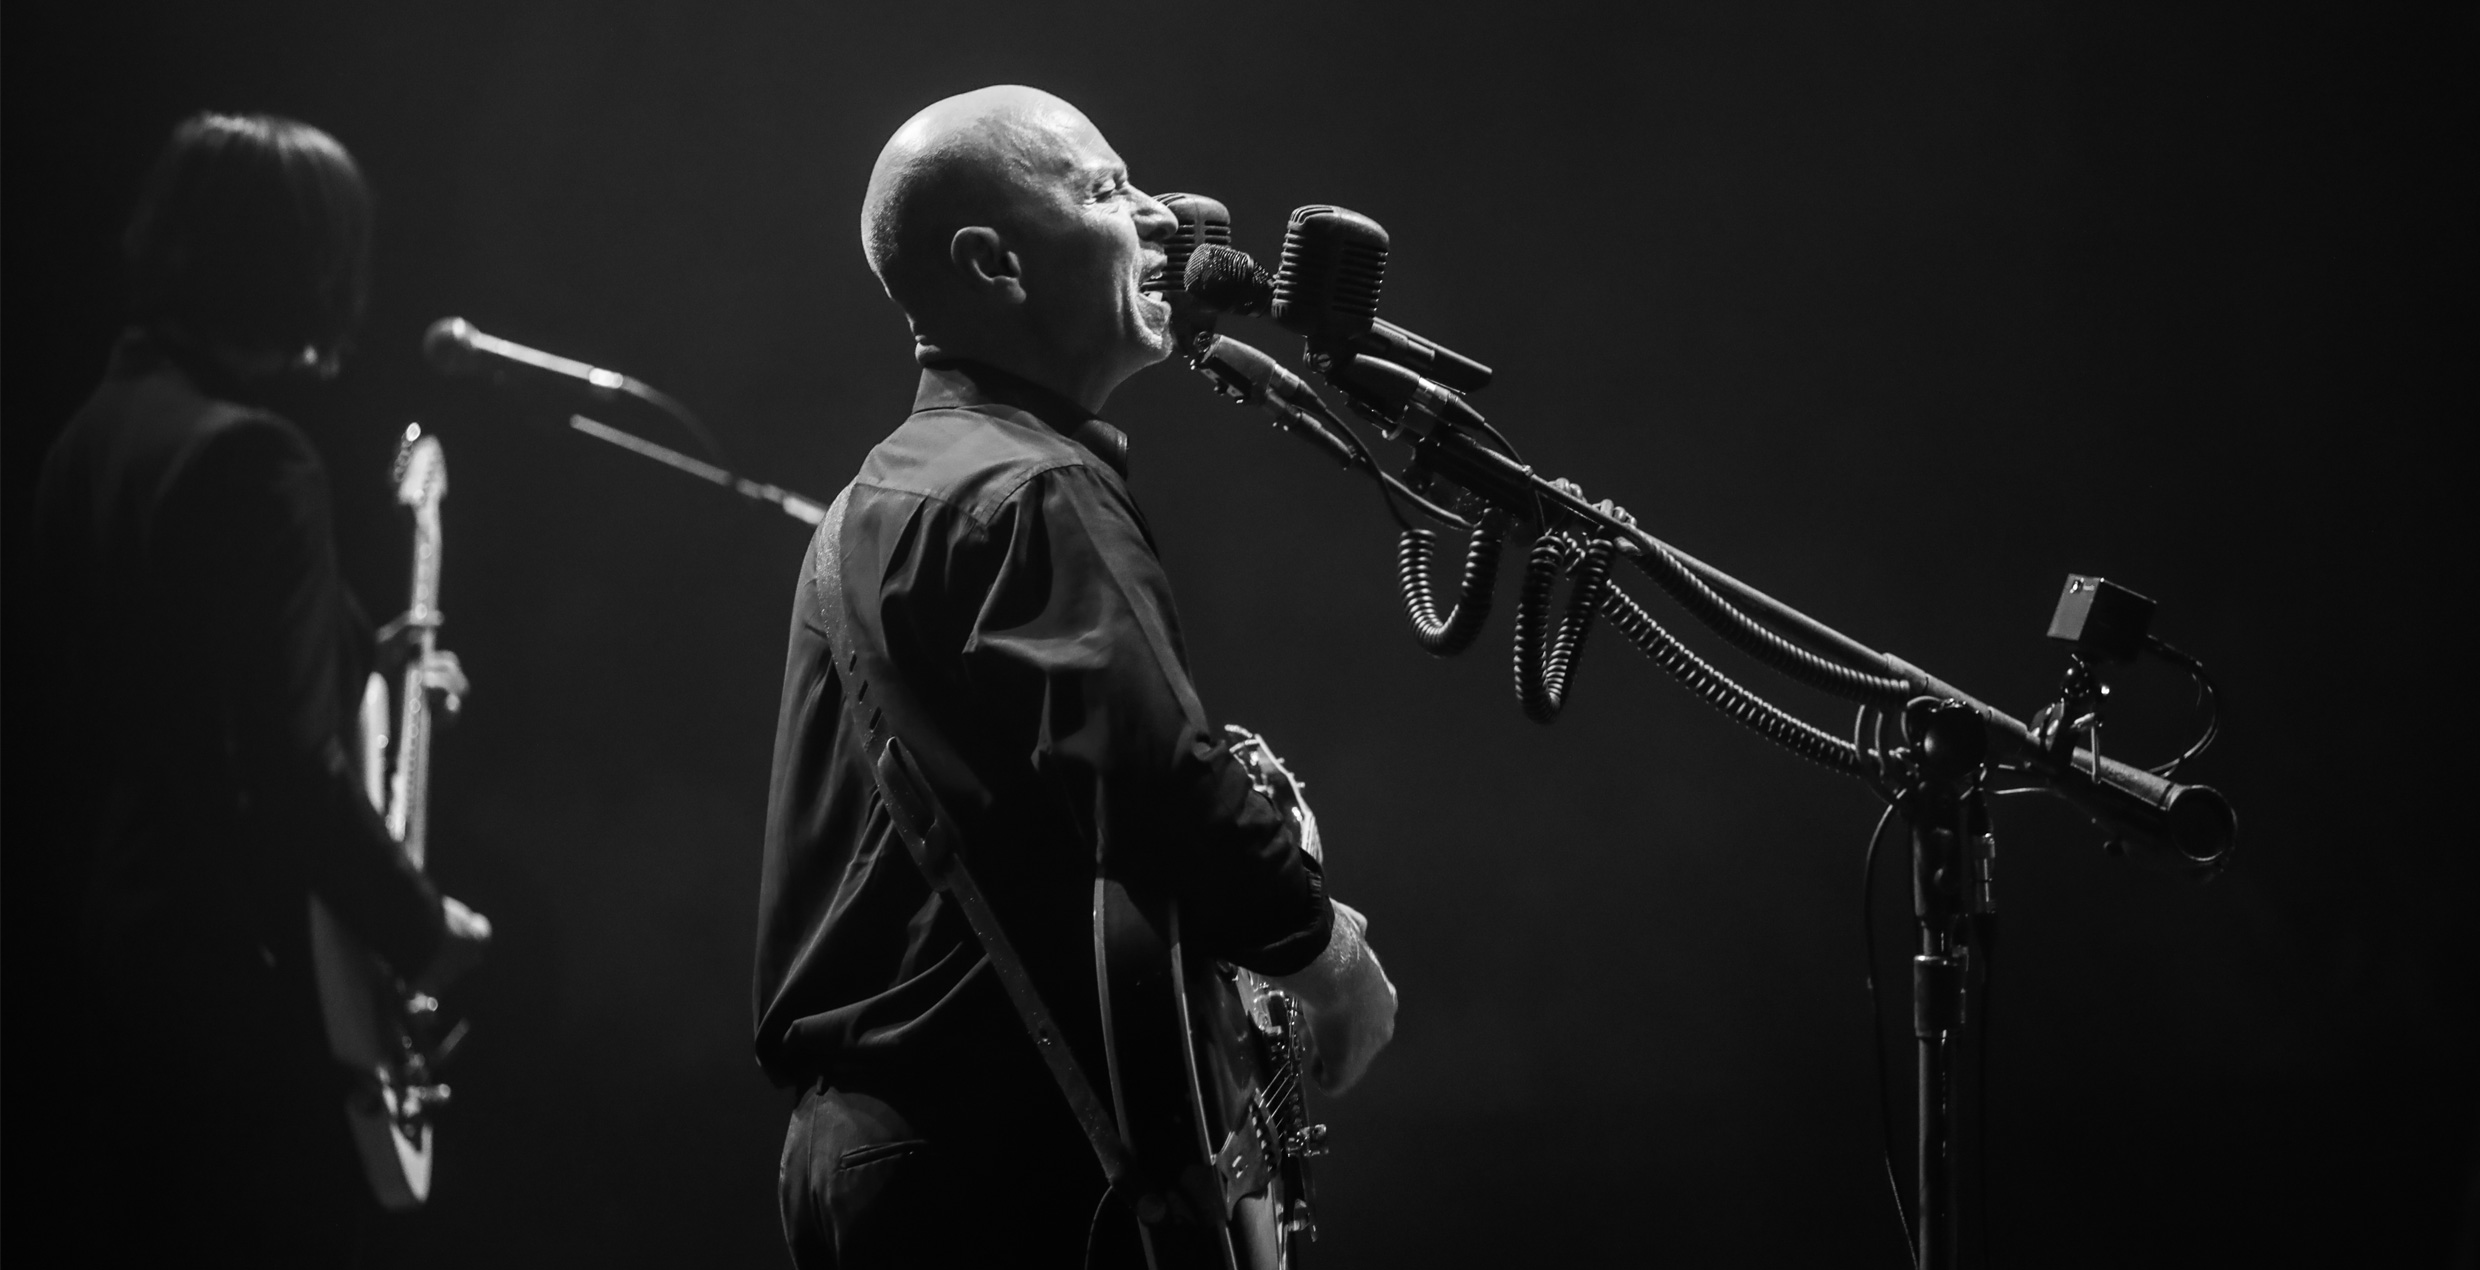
pixel 862 1186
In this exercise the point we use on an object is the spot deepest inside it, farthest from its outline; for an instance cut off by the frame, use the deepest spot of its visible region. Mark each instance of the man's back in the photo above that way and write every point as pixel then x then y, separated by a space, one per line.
pixel 136 571
pixel 208 653
pixel 995 580
pixel 994 589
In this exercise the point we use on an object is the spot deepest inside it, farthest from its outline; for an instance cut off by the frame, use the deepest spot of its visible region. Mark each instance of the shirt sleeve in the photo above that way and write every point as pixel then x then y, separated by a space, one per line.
pixel 1078 629
pixel 249 520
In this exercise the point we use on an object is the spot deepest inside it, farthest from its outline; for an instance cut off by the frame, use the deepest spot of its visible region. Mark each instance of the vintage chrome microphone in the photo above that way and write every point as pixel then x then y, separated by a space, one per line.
pixel 1326 290
pixel 1203 222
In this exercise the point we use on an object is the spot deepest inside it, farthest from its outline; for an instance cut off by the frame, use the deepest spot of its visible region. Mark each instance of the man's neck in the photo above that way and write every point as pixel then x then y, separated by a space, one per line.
pixel 953 382
pixel 1087 389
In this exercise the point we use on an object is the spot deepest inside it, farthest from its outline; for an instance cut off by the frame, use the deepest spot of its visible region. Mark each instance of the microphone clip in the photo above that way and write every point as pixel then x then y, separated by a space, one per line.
pixel 2073 717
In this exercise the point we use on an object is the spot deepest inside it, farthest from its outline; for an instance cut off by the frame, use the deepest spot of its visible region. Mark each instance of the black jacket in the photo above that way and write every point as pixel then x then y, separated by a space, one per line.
pixel 209 660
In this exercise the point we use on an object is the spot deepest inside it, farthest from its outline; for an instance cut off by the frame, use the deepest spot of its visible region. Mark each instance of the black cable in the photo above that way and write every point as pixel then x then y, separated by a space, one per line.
pixel 1093 1224
pixel 1684 584
pixel 1874 764
pixel 1719 691
pixel 1453 633
pixel 2206 696
pixel 1397 489
pixel 1368 461
pixel 1761 641
pixel 1390 487
pixel 1505 446
pixel 1546 657
pixel 1877 1029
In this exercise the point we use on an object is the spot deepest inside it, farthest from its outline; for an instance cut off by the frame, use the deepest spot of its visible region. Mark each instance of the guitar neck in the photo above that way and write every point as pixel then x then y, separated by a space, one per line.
pixel 409 800
pixel 409 805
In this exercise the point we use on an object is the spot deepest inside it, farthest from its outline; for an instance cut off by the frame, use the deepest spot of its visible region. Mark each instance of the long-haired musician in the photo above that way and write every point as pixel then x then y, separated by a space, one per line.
pixel 212 662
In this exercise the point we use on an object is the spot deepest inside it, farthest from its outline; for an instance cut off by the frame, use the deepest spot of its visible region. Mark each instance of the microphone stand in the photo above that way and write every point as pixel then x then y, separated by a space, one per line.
pixel 454 347
pixel 807 511
pixel 1955 747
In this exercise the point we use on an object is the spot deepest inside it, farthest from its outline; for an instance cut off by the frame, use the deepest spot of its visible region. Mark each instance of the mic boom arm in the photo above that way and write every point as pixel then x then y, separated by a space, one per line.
pixel 2191 825
pixel 455 346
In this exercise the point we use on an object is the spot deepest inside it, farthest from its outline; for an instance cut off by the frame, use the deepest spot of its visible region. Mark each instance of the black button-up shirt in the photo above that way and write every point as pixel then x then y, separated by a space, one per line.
pixel 1002 592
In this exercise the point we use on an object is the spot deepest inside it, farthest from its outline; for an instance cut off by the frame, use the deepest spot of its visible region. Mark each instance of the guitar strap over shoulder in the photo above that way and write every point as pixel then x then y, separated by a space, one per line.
pixel 929 834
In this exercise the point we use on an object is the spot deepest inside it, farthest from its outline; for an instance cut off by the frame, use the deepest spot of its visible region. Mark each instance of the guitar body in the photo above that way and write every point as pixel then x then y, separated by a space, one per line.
pixel 1205 1065
pixel 369 1033
pixel 379 1029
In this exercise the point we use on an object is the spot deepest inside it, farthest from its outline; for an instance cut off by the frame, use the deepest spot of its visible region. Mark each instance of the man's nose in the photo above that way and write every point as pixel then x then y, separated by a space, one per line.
pixel 1155 222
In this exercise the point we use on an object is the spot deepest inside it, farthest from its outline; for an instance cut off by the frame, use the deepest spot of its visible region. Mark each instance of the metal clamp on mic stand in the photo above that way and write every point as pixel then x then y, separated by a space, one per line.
pixel 1464 474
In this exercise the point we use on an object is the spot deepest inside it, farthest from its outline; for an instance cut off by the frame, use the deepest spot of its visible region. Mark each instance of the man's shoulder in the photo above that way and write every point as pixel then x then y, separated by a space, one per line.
pixel 972 458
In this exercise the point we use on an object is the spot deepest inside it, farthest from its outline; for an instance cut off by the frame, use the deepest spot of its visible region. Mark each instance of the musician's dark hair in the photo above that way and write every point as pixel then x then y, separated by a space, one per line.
pixel 252 231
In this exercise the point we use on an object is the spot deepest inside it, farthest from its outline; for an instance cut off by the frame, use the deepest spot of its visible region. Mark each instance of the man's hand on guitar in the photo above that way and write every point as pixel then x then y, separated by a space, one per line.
pixel 444 675
pixel 467 933
pixel 400 642
pixel 1350 1003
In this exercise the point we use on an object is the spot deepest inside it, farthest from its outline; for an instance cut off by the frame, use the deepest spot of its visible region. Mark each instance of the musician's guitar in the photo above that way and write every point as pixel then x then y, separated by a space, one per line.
pixel 1206 1062
pixel 378 1027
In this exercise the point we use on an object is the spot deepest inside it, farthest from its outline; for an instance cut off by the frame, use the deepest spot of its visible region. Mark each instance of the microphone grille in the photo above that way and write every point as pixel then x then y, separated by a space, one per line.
pixel 1226 279
pixel 1334 261
pixel 1203 222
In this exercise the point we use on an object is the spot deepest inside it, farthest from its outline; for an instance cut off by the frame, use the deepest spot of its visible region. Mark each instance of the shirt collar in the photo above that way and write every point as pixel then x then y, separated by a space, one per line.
pixel 961 384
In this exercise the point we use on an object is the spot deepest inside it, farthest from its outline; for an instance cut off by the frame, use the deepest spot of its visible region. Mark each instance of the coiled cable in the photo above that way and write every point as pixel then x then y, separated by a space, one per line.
pixel 1721 692
pixel 1761 641
pixel 1446 636
pixel 1546 656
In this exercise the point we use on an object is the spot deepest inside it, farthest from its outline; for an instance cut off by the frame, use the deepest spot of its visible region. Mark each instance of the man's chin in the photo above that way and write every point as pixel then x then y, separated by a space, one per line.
pixel 1153 336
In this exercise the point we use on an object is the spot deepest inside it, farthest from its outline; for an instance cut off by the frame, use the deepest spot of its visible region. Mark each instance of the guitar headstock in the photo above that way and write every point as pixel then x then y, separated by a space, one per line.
pixel 421 469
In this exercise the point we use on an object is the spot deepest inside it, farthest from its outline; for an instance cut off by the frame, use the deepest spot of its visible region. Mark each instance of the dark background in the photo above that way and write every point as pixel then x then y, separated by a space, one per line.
pixel 1900 311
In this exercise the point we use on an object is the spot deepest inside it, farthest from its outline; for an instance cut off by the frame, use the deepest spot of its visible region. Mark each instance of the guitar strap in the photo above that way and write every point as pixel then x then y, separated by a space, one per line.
pixel 930 836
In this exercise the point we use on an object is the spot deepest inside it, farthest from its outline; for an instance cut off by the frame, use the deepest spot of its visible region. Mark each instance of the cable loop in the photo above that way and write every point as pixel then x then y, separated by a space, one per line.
pixel 1446 636
pixel 1546 659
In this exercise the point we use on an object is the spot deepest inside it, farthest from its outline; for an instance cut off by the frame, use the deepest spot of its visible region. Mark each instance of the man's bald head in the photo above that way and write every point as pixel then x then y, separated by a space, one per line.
pixel 973 159
pixel 1005 227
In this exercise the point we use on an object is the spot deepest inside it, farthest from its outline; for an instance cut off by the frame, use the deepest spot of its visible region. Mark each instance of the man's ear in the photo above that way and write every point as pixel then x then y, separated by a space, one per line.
pixel 985 263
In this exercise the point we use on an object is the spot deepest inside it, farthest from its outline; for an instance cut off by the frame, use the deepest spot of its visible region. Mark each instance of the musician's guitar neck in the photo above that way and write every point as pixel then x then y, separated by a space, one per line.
pixel 421 482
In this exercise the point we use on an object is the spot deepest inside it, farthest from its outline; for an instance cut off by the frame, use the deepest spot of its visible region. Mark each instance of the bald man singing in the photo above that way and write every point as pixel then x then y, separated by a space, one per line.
pixel 990 578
